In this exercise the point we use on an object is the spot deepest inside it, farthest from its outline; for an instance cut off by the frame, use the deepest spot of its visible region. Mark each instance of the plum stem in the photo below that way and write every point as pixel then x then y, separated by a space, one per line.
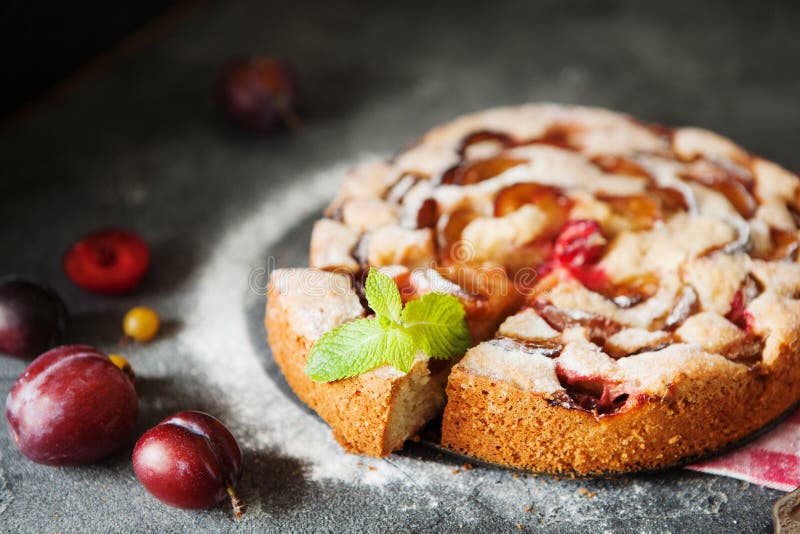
pixel 238 505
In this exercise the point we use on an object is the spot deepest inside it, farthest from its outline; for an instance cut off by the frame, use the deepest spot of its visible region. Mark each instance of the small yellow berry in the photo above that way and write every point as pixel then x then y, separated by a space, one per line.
pixel 122 363
pixel 141 323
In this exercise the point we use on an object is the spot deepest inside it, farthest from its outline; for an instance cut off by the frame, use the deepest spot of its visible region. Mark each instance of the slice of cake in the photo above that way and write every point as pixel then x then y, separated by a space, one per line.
pixel 376 412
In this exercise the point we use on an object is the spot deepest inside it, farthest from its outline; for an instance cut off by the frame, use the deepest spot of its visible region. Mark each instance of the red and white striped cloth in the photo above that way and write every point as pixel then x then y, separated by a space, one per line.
pixel 773 460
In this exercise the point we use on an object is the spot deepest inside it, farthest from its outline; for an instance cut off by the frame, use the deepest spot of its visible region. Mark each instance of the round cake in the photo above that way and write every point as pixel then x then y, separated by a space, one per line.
pixel 631 289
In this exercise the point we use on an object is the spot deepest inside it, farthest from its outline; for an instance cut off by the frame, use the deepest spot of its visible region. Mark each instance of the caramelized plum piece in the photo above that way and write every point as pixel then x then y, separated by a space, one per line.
pixel 483 136
pixel 518 265
pixel 618 352
pixel 549 199
pixel 468 286
pixel 620 165
pixel 546 348
pixel 396 193
pixel 359 279
pixel 560 135
pixel 497 298
pixel 71 406
pixel 739 196
pixel 578 247
pixel 738 313
pixel 740 243
pixel 413 284
pixel 599 326
pixel 685 304
pixel 626 293
pixel 592 393
pixel 747 352
pixel 360 253
pixel 579 243
pixel 406 285
pixel 662 131
pixel 427 214
pixel 472 172
pixel 451 225
pixel 795 214
pixel 670 200
pixel 485 291
pixel 783 245
pixel 729 183
pixel 641 211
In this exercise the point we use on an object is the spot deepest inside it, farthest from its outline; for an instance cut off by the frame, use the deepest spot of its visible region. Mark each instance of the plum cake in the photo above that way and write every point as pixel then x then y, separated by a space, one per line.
pixel 631 291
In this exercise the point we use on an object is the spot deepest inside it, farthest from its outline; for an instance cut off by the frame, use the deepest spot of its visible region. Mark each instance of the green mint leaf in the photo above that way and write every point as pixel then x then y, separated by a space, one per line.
pixel 357 347
pixel 437 324
pixel 400 349
pixel 383 296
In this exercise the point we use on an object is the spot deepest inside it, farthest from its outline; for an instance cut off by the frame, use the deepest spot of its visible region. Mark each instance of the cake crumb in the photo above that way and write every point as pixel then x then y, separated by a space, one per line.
pixel 372 468
pixel 519 526
pixel 526 508
pixel 586 493
pixel 456 471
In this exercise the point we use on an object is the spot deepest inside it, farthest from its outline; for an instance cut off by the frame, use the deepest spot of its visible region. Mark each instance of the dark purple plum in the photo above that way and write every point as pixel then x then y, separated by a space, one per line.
pixel 33 317
pixel 189 460
pixel 260 93
pixel 71 406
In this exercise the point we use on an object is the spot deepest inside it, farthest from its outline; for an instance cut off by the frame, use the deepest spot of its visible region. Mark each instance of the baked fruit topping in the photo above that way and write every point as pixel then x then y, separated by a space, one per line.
pixel 592 393
pixel 472 172
pixel 631 291
pixel 579 244
pixel 549 199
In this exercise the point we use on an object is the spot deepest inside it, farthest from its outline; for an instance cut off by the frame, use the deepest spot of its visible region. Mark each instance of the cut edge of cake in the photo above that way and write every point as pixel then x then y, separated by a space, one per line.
pixel 372 414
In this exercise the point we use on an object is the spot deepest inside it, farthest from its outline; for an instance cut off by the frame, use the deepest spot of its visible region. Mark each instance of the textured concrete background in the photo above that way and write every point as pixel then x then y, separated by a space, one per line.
pixel 139 143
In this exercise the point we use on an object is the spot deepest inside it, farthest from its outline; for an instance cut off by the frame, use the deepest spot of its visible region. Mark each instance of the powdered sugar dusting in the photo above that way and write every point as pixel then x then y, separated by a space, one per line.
pixel 216 331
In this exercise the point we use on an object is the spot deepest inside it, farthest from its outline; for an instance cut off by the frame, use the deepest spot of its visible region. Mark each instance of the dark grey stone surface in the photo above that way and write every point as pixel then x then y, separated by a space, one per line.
pixel 139 143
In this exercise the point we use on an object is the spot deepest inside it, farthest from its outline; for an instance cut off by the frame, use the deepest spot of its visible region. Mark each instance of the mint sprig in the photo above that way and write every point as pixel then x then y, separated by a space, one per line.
pixel 435 324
